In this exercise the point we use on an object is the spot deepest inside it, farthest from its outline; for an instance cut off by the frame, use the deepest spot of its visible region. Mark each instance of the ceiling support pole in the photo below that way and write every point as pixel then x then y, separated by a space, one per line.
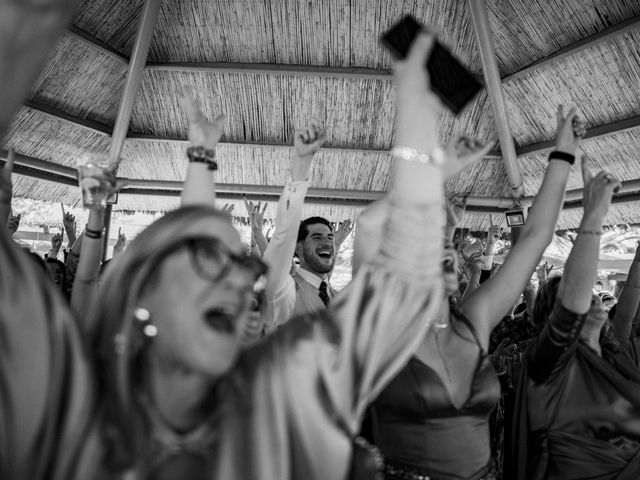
pixel 137 63
pixel 494 89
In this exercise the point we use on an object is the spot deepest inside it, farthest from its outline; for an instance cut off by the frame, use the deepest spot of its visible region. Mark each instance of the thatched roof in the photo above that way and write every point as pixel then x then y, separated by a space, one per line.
pixel 272 65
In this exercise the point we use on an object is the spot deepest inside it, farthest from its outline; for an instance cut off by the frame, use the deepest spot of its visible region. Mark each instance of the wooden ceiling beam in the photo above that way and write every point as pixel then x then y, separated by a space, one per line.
pixel 51 171
pixel 577 47
pixel 530 149
pixel 56 113
pixel 314 71
pixel 592 134
pixel 96 44
pixel 381 74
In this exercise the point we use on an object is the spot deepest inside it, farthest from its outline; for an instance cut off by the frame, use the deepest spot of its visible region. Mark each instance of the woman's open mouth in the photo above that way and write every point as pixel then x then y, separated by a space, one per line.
pixel 222 319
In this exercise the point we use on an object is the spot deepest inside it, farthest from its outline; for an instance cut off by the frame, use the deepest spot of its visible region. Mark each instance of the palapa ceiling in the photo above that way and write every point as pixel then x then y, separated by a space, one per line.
pixel 271 66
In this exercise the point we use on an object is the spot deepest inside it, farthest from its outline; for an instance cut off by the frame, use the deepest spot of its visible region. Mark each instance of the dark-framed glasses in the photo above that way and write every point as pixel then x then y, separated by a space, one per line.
pixel 213 260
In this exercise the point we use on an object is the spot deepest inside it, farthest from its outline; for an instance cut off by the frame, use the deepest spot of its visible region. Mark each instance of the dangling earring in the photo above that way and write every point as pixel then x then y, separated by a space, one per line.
pixel 443 320
pixel 143 316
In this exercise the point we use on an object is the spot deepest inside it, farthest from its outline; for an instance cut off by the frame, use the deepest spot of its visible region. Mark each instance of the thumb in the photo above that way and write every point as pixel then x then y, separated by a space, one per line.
pixel 584 166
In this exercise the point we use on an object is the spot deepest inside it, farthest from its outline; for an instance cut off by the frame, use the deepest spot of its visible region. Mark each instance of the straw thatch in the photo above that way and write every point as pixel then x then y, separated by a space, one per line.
pixel 85 80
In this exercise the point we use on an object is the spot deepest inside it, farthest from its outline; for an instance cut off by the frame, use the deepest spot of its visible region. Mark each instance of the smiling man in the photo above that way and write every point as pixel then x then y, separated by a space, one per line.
pixel 306 289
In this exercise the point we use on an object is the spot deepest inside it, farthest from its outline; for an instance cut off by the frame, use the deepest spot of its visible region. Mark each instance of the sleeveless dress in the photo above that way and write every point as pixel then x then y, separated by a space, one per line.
pixel 422 433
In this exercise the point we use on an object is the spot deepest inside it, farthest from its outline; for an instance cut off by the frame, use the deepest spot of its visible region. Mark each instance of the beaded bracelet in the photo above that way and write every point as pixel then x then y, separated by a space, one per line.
pixel 96 234
pixel 435 157
pixel 558 155
pixel 203 155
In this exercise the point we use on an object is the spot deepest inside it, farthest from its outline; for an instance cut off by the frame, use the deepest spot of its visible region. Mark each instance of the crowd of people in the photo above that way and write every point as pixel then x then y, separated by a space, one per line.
pixel 191 355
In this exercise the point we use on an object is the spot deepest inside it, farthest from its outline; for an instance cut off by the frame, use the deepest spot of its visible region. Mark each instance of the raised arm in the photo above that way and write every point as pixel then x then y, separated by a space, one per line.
pixel 279 253
pixel 574 297
pixel 385 312
pixel 121 243
pixel 69 223
pixel 85 281
pixel 199 187
pixel 628 302
pixel 256 213
pixel 486 305
pixel 56 243
pixel 342 233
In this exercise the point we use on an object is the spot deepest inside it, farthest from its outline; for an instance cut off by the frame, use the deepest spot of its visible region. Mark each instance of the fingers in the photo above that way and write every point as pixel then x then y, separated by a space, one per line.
pixel 612 183
pixel 119 232
pixel 313 133
pixel 573 113
pixel 491 220
pixel 264 209
pixel 247 205
pixel 317 129
pixel 419 51
pixel 584 165
pixel 559 116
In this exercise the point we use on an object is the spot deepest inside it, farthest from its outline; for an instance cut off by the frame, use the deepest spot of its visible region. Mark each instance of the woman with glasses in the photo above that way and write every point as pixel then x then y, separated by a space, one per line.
pixel 162 389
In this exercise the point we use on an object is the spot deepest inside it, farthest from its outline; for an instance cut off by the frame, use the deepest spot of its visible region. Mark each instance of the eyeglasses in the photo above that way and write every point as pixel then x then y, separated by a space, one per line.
pixel 213 260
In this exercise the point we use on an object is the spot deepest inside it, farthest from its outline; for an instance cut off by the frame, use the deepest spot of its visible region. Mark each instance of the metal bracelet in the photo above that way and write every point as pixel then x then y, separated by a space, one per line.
pixel 435 157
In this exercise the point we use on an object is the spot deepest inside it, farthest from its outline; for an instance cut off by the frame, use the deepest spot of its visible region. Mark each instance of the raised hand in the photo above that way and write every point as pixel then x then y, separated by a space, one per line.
pixel 69 222
pixel 417 105
pixel 597 192
pixel 202 132
pixel 474 264
pixel 56 243
pixel 307 141
pixel 258 214
pixel 121 243
pixel 342 232
pixel 228 208
pixel 462 153
pixel 570 131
